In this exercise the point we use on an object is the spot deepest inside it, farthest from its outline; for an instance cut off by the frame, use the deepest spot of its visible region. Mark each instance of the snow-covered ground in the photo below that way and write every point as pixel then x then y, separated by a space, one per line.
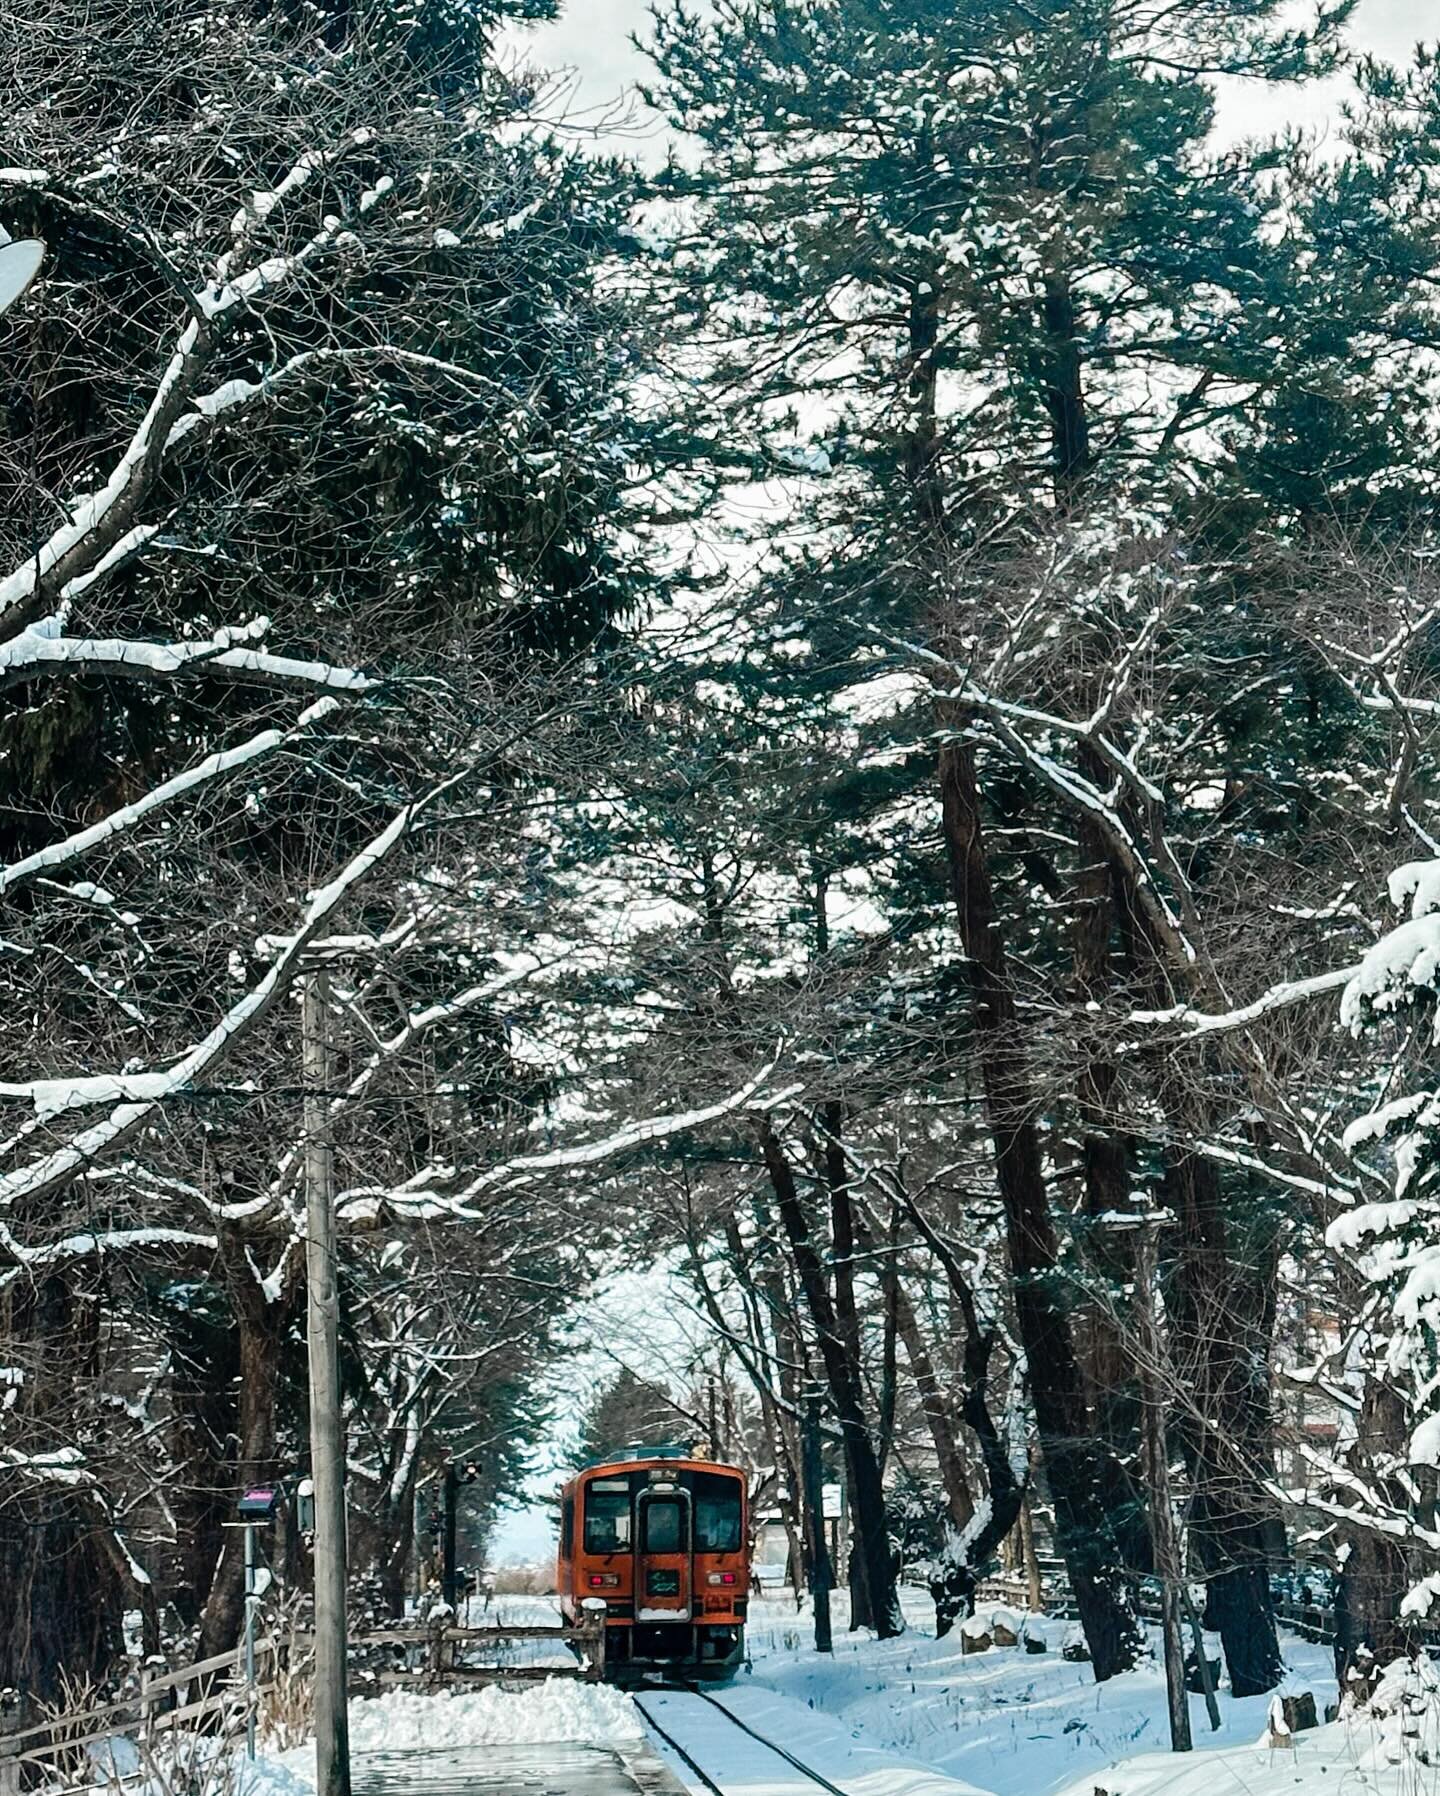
pixel 917 1717
pixel 1020 1724
pixel 846 1757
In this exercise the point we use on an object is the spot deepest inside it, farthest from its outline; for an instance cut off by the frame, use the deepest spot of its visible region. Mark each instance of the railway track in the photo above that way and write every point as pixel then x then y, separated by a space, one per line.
pixel 729 1757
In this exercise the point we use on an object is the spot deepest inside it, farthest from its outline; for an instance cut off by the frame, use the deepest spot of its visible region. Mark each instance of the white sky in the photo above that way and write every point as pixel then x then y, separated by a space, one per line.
pixel 592 38
pixel 638 1320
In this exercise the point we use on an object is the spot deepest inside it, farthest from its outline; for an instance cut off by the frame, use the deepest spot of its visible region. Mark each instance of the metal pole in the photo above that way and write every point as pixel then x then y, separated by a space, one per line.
pixel 821 1576
pixel 1164 1536
pixel 251 1604
pixel 327 1437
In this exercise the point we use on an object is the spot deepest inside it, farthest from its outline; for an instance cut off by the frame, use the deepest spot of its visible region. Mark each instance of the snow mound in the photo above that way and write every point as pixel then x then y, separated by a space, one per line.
pixel 269 1777
pixel 559 1709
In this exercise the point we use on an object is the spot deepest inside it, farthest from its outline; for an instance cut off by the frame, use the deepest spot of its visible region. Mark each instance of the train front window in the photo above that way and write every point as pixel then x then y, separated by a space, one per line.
pixel 664 1528
pixel 717 1514
pixel 607 1518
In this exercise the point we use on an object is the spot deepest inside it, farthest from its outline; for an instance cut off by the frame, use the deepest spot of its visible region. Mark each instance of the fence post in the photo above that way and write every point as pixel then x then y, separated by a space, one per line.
pixel 593 1636
pixel 12 1719
pixel 147 1714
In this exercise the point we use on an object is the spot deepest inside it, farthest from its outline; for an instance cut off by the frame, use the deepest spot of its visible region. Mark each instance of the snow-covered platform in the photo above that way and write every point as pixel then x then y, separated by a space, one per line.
pixel 556 1738
pixel 555 1768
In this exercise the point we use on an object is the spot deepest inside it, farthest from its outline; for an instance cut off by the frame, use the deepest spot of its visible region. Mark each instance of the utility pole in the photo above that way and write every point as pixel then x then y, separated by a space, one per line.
pixel 821 1575
pixel 252 1603
pixel 327 1433
pixel 449 1573
pixel 1165 1538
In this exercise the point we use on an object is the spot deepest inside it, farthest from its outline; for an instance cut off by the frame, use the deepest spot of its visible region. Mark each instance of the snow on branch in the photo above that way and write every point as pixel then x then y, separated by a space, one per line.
pixel 1283 996
pixel 93 1246
pixel 101 518
pixel 1004 719
pixel 141 1093
pixel 42 647
pixel 213 766
pixel 423 1193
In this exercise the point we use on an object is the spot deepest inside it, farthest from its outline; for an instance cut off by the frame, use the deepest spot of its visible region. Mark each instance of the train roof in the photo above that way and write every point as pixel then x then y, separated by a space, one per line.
pixel 629 1458
pixel 636 1450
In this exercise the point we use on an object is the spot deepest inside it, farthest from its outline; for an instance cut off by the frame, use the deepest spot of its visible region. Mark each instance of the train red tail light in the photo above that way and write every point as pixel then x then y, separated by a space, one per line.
pixel 604 1581
pixel 722 1577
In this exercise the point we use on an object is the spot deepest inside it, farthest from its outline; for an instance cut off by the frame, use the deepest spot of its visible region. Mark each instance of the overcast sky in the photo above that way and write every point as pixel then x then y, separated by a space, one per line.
pixel 593 39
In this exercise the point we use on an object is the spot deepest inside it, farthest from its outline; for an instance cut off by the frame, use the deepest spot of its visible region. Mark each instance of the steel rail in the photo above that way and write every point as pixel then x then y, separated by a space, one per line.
pixel 808 1771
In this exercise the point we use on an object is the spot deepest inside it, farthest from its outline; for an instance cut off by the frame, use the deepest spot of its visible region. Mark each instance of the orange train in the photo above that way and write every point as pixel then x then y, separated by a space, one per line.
pixel 662 1538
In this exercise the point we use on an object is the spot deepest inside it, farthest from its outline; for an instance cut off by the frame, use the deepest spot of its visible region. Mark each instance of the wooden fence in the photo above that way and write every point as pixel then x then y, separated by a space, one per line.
pixel 214 1698
pixel 209 1696
pixel 1304 1614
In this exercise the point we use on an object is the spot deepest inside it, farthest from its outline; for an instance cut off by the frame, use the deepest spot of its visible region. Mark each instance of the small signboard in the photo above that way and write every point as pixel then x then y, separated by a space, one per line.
pixel 259 1502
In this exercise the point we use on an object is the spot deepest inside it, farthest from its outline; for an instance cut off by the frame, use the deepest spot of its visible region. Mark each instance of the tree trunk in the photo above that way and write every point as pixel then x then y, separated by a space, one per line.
pixel 1105 1163
pixel 1063 385
pixel 1369 1629
pixel 1222 1311
pixel 867 1494
pixel 261 1325
pixel 394 1556
pixel 1085 1481
pixel 204 1425
pixel 63 1580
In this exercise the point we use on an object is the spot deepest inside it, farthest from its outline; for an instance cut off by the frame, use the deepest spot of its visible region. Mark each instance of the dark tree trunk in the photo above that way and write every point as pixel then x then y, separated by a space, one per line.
pixel 204 1427
pixel 1062 380
pixel 261 1324
pixel 395 1556
pixel 1085 1482
pixel 952 1590
pixel 863 1606
pixel 1106 1173
pixel 867 1493
pixel 63 1598
pixel 1222 1321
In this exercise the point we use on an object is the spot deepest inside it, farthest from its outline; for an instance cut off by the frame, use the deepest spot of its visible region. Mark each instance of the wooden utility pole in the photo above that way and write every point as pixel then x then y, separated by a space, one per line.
pixel 450 1505
pixel 821 1575
pixel 1165 1539
pixel 327 1432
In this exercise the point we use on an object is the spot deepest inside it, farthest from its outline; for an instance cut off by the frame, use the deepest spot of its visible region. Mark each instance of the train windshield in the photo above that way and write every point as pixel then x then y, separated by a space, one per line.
pixel 664 1527
pixel 717 1513
pixel 607 1517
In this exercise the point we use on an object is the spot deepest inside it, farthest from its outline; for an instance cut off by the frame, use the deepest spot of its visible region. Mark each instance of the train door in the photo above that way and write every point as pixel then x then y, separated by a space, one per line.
pixel 662 1570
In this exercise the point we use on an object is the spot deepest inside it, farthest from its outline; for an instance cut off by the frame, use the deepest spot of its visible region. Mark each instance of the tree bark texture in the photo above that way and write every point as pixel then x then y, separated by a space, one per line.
pixel 1106 1173
pixel 262 1325
pixel 1222 1309
pixel 1085 1481
pixel 867 1493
